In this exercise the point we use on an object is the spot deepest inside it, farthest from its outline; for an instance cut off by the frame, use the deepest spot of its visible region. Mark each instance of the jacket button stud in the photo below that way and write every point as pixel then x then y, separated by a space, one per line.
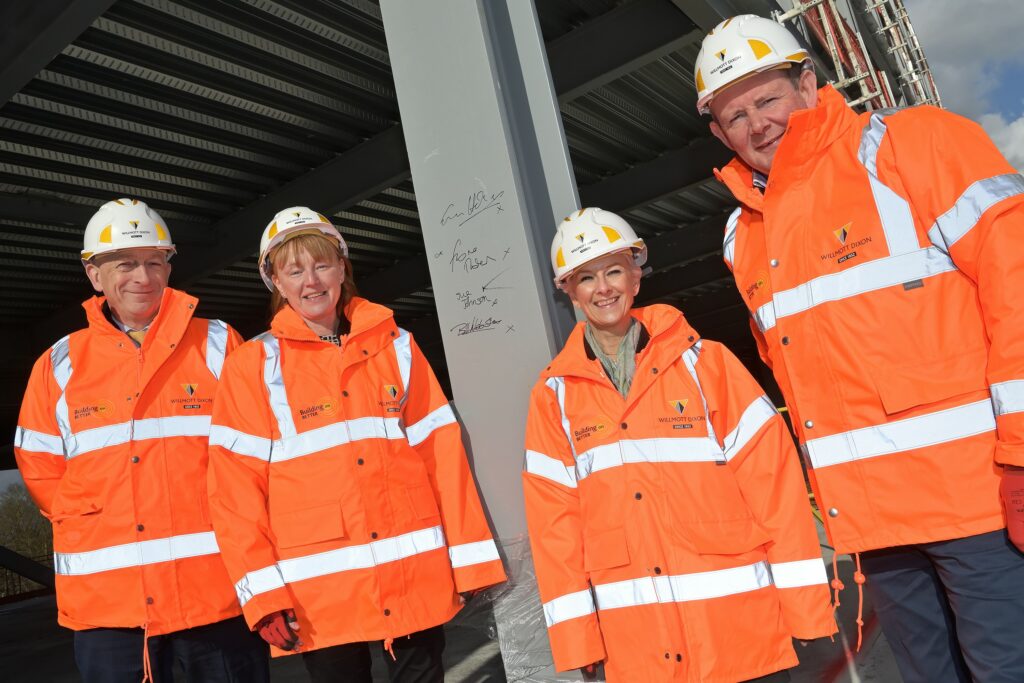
pixel 365 352
pixel 135 458
pixel 690 338
pixel 359 461
pixel 140 527
pixel 387 613
pixel 345 394
pixel 679 657
pixel 654 371
pixel 785 341
pixel 149 601
pixel 624 425
pixel 373 535
pixel 173 345
pixel 638 495
pixel 809 424
pixel 833 512
pixel 668 656
pixel 657 570
pixel 774 263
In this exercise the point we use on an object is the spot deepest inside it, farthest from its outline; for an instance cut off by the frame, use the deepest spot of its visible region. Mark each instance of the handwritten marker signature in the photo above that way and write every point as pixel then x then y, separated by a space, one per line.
pixel 468 258
pixel 476 204
pixel 475 325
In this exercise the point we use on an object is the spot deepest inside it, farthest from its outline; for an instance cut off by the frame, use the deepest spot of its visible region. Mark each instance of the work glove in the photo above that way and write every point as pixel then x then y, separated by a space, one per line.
pixel 1011 490
pixel 589 672
pixel 280 629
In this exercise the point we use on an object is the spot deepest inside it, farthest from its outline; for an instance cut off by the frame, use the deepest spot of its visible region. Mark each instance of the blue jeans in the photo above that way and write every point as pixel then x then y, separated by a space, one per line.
pixel 951 610
pixel 225 651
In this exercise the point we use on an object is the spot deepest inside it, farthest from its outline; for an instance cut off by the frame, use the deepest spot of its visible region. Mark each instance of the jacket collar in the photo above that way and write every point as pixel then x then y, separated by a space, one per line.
pixel 669 333
pixel 371 327
pixel 809 131
pixel 168 327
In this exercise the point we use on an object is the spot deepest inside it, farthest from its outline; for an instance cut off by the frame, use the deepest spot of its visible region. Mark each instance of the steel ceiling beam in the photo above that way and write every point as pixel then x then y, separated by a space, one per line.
pixel 33 33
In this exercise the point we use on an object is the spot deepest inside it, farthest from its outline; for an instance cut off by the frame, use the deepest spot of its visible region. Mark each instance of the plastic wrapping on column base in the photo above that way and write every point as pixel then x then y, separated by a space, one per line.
pixel 512 612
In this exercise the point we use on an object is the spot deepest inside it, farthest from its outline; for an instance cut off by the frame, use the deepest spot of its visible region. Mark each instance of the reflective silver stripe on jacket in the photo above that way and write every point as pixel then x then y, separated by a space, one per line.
pixel 569 606
pixel 216 346
pixel 135 554
pixel 729 243
pixel 38 442
pixel 345 559
pixel 60 361
pixel 557 385
pixel 403 354
pixel 1008 397
pixel 550 468
pixel 968 209
pixel 799 573
pixel 911 433
pixel 691 357
pixel 89 440
pixel 468 554
pixel 649 590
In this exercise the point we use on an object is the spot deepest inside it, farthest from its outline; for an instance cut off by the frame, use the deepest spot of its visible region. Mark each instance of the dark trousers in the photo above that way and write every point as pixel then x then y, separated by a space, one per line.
pixel 225 651
pixel 777 677
pixel 417 660
pixel 951 610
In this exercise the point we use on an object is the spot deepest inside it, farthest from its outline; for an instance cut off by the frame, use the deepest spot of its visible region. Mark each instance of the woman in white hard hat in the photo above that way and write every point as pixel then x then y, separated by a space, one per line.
pixel 340 491
pixel 667 513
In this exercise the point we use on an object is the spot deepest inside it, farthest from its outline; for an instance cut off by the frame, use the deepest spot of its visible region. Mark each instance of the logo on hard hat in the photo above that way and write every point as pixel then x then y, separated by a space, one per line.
pixel 296 214
pixel 135 224
pixel 720 55
pixel 580 237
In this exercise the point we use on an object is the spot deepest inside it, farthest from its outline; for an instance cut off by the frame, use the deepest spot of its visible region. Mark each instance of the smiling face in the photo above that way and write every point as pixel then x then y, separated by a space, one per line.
pixel 751 115
pixel 133 281
pixel 311 284
pixel 604 290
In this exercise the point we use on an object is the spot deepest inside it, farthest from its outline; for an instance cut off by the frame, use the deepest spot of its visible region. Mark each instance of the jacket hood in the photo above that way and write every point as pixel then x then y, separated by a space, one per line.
pixel 670 335
pixel 809 130
pixel 170 323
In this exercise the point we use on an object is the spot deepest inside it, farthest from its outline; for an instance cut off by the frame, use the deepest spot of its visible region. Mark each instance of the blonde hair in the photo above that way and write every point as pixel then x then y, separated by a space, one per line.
pixel 321 248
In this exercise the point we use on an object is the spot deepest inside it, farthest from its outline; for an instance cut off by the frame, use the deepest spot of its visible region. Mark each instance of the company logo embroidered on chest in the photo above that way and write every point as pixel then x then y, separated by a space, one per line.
pixel 590 428
pixel 390 403
pixel 190 399
pixel 680 420
pixel 326 406
pixel 848 244
pixel 100 408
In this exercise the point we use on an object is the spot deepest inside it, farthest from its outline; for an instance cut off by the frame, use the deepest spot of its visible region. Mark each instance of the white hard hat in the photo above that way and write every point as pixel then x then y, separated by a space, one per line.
pixel 125 224
pixel 291 222
pixel 589 234
pixel 739 47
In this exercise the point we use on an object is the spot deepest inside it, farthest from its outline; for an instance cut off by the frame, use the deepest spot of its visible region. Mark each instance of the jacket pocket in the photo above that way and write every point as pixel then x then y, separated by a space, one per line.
pixel 72 523
pixel 423 502
pixel 907 386
pixel 309 525
pixel 605 549
pixel 729 537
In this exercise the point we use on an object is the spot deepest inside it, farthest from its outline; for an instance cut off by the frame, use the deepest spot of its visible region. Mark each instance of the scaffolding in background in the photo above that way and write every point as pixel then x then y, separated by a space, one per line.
pixel 836 29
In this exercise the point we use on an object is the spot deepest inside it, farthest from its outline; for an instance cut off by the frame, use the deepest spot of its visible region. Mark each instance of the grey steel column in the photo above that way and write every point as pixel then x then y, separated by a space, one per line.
pixel 492 175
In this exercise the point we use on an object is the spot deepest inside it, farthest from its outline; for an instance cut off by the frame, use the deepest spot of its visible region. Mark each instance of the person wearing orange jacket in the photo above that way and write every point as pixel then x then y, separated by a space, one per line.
pixel 112 445
pixel 668 517
pixel 340 489
pixel 879 255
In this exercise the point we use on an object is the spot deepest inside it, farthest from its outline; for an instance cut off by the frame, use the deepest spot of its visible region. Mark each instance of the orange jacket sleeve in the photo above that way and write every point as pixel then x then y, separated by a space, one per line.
pixel 434 433
pixel 240 442
pixel 959 184
pixel 38 445
pixel 555 526
pixel 760 451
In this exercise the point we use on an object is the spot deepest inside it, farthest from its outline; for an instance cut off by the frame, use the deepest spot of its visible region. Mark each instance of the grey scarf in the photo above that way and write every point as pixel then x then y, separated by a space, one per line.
pixel 621 367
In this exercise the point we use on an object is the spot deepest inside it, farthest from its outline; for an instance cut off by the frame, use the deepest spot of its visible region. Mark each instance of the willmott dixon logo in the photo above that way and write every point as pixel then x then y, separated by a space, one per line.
pixel 190 389
pixel 391 390
pixel 842 233
pixel 579 237
pixel 679 405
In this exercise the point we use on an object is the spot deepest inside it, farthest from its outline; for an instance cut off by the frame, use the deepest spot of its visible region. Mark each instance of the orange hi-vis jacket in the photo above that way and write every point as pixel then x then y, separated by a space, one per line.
pixel 112 444
pixel 339 484
pixel 671 530
pixel 880 267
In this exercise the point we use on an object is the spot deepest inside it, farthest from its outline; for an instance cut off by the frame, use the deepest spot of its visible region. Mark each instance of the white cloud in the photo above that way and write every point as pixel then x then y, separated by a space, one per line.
pixel 1008 136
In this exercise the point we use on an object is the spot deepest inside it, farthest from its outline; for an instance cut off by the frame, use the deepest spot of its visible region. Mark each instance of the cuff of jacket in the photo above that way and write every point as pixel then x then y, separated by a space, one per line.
pixel 808 612
pixel 476 576
pixel 576 643
pixel 266 603
pixel 1009 454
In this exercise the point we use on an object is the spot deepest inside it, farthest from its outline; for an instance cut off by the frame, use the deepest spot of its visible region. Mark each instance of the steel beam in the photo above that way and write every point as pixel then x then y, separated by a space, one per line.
pixel 30 569
pixel 33 33
pixel 644 31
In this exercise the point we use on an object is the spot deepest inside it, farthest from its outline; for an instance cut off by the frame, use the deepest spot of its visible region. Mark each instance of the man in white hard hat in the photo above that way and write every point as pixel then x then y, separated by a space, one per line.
pixel 880 258
pixel 111 442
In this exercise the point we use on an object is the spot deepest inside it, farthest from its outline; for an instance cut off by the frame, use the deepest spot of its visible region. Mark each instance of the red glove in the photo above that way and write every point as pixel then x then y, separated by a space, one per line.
pixel 589 672
pixel 1011 489
pixel 279 629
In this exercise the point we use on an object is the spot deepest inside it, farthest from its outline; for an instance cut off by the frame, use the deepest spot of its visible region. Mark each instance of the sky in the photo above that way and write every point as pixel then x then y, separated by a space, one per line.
pixel 975 49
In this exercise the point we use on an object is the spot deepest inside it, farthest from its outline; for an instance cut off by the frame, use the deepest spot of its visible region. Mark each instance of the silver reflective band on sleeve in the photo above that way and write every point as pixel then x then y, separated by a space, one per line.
pixel 729 243
pixel 275 386
pixel 756 415
pixel 903 435
pixel 260 581
pixel 968 209
pixel 403 354
pixel 420 431
pixel 335 434
pixel 649 451
pixel 566 607
pixel 60 361
pixel 216 346
pixel 468 554
pixel 871 139
pixel 1008 397
pixel 550 468
pixel 37 442
pixel 557 386
pixel 798 574
pixel 135 554
pixel 150 428
pixel 691 357
pixel 649 590
pixel 240 443
pixel 867 277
